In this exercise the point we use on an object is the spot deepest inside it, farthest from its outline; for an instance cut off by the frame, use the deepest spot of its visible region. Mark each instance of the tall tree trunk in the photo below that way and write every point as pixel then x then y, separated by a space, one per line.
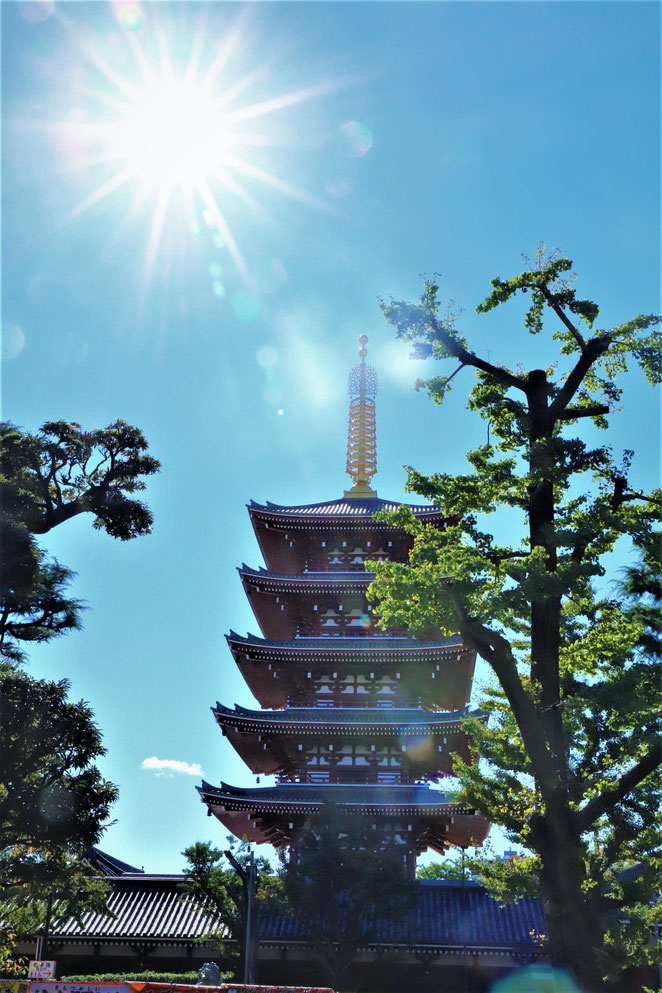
pixel 573 931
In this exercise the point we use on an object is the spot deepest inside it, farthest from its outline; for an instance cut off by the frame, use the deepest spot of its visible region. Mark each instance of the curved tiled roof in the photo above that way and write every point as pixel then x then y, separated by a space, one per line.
pixel 308 579
pixel 444 915
pixel 407 719
pixel 343 507
pixel 108 865
pixel 307 795
pixel 435 923
pixel 382 643
pixel 144 907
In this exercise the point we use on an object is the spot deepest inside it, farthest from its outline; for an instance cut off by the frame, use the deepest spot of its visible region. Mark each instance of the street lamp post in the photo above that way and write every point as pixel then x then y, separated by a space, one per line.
pixel 249 880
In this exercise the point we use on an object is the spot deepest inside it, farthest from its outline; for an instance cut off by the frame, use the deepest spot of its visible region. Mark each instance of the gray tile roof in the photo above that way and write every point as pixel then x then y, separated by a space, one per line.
pixel 145 907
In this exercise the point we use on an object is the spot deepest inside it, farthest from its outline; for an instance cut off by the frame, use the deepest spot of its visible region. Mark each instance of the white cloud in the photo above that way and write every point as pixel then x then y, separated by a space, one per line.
pixel 166 767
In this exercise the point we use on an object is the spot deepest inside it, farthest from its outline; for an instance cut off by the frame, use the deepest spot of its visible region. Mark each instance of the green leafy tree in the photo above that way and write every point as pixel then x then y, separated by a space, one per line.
pixel 573 746
pixel 54 803
pixel 211 880
pixel 344 887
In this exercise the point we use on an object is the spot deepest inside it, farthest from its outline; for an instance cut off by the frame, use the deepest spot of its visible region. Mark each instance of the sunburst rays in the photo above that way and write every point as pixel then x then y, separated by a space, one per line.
pixel 171 120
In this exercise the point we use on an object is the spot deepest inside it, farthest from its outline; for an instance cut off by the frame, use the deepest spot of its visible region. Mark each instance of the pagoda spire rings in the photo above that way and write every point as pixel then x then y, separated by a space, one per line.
pixel 362 431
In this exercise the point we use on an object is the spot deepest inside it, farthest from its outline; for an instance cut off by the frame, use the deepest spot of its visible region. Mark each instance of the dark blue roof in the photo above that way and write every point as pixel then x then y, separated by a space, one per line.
pixel 381 643
pixel 441 912
pixel 354 576
pixel 346 794
pixel 146 910
pixel 399 717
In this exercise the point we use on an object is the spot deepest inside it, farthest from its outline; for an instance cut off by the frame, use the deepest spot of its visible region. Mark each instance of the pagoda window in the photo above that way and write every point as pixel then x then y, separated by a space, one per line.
pixel 335 556
pixel 357 556
pixel 354 618
pixel 329 618
pixel 379 555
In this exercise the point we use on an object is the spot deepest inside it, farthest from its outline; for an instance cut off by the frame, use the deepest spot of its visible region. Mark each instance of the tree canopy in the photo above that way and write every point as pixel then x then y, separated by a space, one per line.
pixel 573 747
pixel 54 803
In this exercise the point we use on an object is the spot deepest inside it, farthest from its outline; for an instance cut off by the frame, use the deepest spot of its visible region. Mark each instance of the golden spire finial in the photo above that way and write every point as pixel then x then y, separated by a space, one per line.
pixel 362 434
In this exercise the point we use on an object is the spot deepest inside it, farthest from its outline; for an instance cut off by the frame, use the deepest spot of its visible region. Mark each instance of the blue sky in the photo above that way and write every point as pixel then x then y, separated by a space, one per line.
pixel 447 137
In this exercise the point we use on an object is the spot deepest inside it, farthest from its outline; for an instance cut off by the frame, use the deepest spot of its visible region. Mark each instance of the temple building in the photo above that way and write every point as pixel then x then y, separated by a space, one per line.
pixel 348 713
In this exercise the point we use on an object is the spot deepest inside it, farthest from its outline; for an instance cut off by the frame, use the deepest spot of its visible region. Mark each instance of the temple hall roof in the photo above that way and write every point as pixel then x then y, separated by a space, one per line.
pixel 146 913
pixel 436 921
pixel 145 907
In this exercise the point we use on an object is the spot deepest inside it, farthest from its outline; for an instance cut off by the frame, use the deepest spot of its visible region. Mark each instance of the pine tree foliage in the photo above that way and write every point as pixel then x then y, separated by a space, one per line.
pixel 47 479
pixel 572 752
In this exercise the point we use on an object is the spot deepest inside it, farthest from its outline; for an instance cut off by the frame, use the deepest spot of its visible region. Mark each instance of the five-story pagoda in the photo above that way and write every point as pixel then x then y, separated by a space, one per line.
pixel 353 715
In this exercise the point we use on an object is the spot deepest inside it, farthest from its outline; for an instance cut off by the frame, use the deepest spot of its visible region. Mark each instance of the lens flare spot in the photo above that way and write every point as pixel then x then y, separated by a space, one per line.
pixel 419 745
pixel 280 412
pixel 355 139
pixel 340 185
pixel 366 620
pixel 217 240
pixel 130 17
pixel 13 341
pixel 218 289
pixel 267 357
pixel 536 979
pixel 215 270
pixel 245 306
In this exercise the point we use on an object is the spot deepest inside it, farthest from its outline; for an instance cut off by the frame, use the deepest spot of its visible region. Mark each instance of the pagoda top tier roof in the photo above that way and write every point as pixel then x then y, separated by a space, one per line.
pixel 337 645
pixel 308 796
pixel 408 718
pixel 344 508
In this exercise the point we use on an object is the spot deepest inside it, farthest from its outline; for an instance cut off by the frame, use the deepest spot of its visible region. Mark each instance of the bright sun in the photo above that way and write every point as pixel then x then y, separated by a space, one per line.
pixel 172 133
pixel 177 124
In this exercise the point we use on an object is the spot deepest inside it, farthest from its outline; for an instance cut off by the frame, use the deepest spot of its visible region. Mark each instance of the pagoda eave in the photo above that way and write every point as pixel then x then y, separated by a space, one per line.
pixel 354 720
pixel 440 673
pixel 261 815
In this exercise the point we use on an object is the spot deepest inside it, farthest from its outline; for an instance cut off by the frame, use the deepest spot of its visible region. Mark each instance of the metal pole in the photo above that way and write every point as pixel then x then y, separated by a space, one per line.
pixel 248 880
pixel 47 926
pixel 464 919
pixel 250 895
